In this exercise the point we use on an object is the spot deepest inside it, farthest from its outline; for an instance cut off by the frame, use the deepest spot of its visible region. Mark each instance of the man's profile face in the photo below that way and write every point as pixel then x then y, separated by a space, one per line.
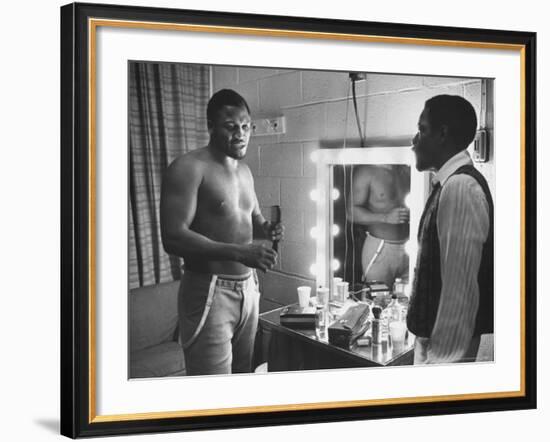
pixel 230 132
pixel 426 143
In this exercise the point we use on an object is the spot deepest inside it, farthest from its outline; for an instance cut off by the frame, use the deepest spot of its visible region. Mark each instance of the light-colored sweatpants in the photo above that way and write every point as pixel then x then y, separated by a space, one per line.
pixel 391 262
pixel 218 338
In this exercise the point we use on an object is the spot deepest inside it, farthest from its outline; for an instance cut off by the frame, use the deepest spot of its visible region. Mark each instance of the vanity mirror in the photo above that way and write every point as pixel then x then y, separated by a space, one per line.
pixel 369 203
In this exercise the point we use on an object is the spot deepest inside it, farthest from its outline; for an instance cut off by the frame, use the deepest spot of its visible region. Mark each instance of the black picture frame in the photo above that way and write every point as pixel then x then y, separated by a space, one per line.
pixel 77 250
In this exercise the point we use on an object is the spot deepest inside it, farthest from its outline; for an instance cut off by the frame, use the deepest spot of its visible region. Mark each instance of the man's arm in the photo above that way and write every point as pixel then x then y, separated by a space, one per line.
pixel 359 196
pixel 463 226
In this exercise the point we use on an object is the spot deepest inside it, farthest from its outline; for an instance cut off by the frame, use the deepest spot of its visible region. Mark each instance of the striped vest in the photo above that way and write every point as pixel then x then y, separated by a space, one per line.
pixel 426 290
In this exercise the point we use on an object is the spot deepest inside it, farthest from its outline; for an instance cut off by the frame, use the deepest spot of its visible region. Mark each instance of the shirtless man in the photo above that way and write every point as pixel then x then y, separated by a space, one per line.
pixel 378 203
pixel 208 212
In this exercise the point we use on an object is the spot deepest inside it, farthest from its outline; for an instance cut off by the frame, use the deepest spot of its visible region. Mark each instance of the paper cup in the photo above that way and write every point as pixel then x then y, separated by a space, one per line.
pixel 322 297
pixel 304 293
pixel 342 292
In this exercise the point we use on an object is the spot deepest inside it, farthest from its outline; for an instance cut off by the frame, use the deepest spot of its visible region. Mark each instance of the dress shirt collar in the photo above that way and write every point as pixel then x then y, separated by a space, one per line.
pixel 462 158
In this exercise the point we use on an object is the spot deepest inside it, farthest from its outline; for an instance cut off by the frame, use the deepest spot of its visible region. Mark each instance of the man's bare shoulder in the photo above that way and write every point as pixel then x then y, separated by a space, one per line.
pixel 186 167
pixel 196 159
pixel 190 159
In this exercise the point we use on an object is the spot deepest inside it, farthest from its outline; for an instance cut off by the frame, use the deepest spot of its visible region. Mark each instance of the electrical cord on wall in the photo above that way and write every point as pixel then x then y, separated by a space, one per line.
pixel 354 78
pixel 344 189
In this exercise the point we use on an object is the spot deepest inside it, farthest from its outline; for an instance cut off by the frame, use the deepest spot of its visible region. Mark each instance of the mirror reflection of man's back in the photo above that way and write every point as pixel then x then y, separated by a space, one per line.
pixel 377 202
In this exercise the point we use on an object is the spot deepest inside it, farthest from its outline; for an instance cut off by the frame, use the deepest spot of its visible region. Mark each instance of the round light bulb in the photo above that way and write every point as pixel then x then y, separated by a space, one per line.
pixel 335 194
pixel 313 269
pixel 314 195
pixel 335 264
pixel 314 232
pixel 314 156
pixel 335 229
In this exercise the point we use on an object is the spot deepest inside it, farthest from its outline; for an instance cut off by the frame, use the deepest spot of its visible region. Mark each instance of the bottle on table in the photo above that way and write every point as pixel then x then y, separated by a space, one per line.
pixel 322 313
pixel 385 317
pixel 399 291
pixel 376 323
pixel 394 323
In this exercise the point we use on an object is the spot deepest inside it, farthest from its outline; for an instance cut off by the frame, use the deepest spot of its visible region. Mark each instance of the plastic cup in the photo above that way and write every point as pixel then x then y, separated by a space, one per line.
pixel 304 293
pixel 398 330
pixel 322 297
pixel 341 292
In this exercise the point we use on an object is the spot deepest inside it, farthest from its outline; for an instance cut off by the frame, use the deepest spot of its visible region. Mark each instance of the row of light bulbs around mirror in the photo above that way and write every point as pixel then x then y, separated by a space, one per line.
pixel 314 232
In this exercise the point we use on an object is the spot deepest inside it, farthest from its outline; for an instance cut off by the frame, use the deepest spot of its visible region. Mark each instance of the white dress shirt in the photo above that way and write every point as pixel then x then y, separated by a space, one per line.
pixel 463 226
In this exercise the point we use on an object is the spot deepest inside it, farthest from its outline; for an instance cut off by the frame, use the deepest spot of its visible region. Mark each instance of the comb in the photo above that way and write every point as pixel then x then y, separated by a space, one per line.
pixel 275 217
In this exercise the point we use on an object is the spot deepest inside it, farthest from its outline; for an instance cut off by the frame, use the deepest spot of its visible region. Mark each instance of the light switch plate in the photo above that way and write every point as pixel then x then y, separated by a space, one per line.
pixel 481 147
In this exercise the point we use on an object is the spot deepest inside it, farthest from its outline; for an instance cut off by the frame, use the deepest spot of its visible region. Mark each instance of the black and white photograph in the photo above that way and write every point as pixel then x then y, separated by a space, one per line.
pixel 284 220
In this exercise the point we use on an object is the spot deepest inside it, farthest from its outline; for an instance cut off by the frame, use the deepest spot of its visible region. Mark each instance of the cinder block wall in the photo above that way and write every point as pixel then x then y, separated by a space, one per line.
pixel 319 115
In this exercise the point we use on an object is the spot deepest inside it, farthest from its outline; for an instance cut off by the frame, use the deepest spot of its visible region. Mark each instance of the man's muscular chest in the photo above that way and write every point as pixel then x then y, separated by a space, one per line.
pixel 387 187
pixel 226 196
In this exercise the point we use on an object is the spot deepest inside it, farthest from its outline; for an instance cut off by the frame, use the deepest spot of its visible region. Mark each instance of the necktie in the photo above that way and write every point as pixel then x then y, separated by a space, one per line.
pixel 435 189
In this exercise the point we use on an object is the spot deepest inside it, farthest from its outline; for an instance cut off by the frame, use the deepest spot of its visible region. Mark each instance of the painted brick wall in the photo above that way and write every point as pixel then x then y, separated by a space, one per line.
pixel 319 115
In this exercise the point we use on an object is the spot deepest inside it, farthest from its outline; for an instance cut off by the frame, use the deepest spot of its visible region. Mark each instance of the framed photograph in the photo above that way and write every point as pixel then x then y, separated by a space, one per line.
pixel 273 220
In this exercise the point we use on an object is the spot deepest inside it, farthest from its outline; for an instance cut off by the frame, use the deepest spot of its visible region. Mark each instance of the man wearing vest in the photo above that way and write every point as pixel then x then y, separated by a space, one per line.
pixel 451 303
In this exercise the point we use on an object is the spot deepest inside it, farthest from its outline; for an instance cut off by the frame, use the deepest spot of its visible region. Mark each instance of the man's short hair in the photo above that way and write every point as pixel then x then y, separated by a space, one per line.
pixel 224 97
pixel 457 114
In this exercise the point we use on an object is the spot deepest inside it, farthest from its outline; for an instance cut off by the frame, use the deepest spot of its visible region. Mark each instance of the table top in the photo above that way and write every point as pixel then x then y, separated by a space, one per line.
pixel 374 354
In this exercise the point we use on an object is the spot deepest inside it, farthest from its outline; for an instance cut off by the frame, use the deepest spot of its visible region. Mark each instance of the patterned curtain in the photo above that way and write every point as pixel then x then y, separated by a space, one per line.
pixel 167 117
